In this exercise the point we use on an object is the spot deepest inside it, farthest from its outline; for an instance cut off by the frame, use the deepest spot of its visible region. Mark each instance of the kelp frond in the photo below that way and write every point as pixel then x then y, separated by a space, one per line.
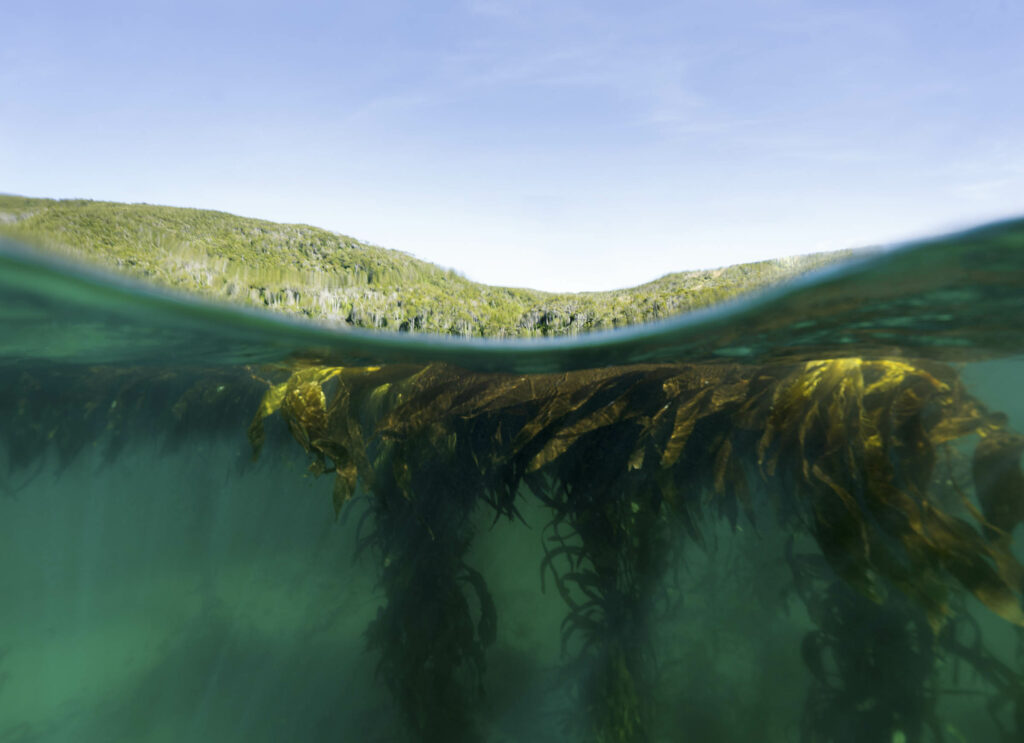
pixel 845 446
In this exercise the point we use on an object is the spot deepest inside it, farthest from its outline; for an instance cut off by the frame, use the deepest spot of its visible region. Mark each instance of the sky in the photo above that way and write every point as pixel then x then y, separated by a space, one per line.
pixel 556 145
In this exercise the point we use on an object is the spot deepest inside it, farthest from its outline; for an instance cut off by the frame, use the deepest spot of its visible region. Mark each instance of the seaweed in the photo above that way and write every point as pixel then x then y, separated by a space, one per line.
pixel 864 455
pixel 845 449
pixel 55 414
pixel 871 663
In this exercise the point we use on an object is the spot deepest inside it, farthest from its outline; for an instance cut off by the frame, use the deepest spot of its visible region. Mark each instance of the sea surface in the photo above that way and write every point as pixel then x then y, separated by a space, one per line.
pixel 790 517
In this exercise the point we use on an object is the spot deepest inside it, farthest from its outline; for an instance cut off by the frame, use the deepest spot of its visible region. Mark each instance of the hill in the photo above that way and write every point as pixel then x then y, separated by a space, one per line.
pixel 337 279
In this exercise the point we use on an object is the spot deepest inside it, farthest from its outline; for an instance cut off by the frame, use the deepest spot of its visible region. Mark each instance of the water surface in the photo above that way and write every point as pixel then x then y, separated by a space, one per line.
pixel 792 517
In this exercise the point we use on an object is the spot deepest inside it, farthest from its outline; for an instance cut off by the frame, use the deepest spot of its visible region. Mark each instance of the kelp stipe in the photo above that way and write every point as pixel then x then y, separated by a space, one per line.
pixel 845 448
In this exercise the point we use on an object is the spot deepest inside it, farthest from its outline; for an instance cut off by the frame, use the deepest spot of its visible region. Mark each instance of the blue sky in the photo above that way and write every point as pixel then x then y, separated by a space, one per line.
pixel 559 145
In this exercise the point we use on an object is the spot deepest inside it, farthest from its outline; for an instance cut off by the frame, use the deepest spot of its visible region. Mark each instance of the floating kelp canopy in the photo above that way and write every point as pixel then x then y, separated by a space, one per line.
pixel 869 456
pixel 858 452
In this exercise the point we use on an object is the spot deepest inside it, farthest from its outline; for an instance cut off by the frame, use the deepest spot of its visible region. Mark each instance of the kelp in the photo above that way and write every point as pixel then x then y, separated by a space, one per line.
pixel 868 456
pixel 845 449
pixel 876 666
pixel 54 414
pixel 871 662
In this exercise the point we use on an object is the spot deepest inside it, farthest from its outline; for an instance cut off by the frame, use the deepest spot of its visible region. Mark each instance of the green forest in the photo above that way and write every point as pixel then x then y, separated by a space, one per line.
pixel 339 280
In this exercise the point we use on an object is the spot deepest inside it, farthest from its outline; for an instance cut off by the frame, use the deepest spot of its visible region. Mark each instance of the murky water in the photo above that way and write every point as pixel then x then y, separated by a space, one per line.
pixel 791 518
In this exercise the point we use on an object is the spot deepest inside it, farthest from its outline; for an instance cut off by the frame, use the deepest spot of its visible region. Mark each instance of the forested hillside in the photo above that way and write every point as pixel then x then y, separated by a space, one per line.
pixel 337 279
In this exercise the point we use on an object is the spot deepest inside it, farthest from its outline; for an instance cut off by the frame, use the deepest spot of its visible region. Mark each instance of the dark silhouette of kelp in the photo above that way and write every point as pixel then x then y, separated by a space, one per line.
pixel 844 448
pixel 864 455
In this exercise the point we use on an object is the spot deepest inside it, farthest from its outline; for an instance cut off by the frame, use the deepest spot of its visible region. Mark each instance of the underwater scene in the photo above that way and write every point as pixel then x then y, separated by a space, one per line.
pixel 791 517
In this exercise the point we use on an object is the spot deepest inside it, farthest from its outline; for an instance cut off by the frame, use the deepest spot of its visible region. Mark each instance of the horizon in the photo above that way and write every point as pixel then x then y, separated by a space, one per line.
pixel 564 147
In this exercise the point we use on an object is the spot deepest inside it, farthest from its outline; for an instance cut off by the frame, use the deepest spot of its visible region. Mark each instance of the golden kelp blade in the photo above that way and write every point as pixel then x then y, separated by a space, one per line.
pixel 269 405
pixel 850 443
pixel 303 402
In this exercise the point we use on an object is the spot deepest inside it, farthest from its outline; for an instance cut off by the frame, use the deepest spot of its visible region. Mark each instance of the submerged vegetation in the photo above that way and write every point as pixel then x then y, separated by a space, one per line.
pixel 337 279
pixel 849 450
pixel 895 492
pixel 867 457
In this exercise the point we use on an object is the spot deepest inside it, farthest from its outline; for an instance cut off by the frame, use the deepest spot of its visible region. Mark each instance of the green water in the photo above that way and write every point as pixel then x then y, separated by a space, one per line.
pixel 158 584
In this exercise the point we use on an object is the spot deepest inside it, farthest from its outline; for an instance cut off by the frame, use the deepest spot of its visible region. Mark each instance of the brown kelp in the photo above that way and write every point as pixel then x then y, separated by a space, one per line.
pixel 871 661
pixel 845 449
pixel 60 412
pixel 870 457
